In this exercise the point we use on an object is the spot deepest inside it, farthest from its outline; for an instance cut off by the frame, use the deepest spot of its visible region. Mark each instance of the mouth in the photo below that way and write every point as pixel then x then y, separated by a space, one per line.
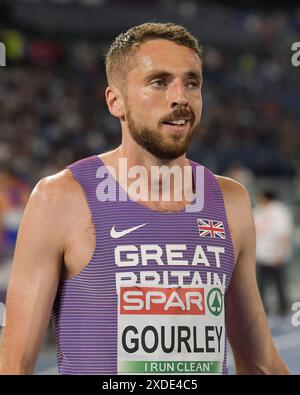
pixel 178 124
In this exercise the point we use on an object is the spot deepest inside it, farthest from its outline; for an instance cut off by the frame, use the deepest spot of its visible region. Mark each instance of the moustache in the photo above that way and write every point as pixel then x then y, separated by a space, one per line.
pixel 179 113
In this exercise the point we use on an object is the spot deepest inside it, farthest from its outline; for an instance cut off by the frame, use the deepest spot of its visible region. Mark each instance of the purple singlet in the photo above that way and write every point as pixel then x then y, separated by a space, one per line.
pixel 151 299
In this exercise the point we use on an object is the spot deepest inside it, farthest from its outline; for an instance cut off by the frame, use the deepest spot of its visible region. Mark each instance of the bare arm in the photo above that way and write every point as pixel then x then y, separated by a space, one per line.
pixel 35 275
pixel 247 326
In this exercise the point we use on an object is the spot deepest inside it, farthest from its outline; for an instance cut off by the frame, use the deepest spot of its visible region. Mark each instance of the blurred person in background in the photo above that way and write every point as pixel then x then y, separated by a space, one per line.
pixel 274 229
pixel 14 194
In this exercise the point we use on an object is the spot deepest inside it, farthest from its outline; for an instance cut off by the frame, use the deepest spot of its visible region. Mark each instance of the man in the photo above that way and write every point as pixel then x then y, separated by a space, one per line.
pixel 274 230
pixel 140 285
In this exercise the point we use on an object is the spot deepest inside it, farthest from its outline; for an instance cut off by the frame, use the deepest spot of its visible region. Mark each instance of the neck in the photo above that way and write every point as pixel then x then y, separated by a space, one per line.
pixel 161 184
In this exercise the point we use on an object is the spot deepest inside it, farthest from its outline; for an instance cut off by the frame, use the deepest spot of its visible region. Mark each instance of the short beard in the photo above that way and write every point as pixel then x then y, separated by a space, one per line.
pixel 151 141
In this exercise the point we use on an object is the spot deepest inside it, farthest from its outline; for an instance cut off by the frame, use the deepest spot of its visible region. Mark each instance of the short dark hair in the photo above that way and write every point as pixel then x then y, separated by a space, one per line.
pixel 124 46
pixel 269 194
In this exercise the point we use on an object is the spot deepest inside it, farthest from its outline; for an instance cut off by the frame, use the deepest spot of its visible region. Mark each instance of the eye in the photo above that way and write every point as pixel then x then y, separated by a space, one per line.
pixel 159 83
pixel 193 84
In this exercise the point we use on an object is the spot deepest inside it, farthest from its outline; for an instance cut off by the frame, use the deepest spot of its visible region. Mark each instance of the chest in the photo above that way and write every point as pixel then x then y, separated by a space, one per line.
pixel 158 246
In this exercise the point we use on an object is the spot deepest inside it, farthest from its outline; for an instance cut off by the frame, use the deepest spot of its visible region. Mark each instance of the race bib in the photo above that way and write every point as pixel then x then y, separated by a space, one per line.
pixel 171 329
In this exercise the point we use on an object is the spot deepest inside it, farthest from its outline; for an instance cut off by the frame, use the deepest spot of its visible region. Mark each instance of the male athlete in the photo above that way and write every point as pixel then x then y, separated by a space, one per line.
pixel 140 285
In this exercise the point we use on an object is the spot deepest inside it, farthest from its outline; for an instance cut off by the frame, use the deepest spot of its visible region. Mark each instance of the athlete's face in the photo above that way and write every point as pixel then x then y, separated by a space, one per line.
pixel 163 100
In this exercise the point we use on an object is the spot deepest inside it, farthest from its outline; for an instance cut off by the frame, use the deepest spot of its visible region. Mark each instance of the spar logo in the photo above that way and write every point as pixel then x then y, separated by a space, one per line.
pixel 160 301
pixel 215 301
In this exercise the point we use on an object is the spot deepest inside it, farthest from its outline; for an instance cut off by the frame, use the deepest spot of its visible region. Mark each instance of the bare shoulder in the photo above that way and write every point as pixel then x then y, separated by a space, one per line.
pixel 235 195
pixel 58 187
pixel 55 199
pixel 239 211
pixel 232 190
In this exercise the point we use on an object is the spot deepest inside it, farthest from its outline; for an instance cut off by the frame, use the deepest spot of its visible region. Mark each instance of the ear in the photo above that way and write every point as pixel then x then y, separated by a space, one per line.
pixel 115 102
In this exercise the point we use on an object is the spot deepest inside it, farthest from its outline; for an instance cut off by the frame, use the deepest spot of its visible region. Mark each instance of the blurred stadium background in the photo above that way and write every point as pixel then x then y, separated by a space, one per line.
pixel 52 108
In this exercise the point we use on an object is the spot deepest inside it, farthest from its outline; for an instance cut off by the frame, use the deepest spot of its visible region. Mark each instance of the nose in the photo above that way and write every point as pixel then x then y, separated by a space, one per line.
pixel 178 95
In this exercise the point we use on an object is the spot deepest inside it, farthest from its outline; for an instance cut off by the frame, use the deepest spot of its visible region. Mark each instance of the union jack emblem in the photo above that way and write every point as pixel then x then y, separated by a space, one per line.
pixel 209 228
